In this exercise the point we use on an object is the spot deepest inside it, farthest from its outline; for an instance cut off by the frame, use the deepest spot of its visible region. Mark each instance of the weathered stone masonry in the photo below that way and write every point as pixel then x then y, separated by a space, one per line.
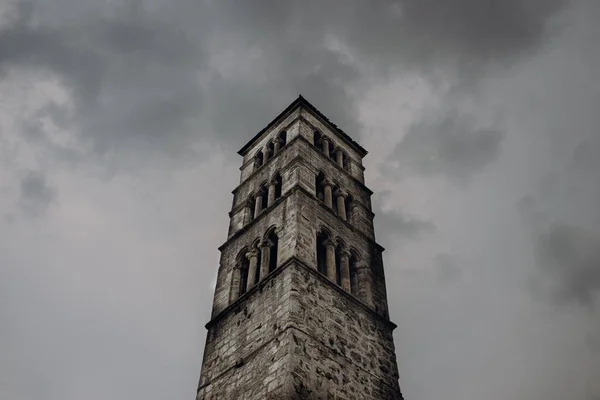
pixel 300 307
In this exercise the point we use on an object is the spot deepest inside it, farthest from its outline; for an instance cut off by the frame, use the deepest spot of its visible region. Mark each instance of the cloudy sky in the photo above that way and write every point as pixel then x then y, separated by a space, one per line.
pixel 119 126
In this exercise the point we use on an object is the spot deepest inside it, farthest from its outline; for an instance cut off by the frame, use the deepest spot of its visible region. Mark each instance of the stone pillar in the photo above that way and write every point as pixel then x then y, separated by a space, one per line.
pixel 277 145
pixel 271 198
pixel 330 260
pixel 258 203
pixel 265 155
pixel 236 277
pixel 339 155
pixel 248 213
pixel 364 284
pixel 325 143
pixel 341 203
pixel 345 270
pixel 253 258
pixel 265 258
pixel 352 212
pixel 328 192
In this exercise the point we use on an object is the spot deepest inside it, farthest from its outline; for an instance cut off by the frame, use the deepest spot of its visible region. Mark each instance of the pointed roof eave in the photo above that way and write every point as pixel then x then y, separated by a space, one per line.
pixel 289 109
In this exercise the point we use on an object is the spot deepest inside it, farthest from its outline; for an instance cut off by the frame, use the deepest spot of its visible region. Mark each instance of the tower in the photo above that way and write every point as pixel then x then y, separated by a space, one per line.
pixel 300 306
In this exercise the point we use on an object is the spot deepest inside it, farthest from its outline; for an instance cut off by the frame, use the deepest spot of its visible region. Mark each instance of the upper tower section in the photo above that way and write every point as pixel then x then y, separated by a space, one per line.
pixel 302 119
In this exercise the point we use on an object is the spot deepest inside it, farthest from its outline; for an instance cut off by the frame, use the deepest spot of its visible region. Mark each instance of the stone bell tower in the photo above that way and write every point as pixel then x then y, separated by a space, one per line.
pixel 300 307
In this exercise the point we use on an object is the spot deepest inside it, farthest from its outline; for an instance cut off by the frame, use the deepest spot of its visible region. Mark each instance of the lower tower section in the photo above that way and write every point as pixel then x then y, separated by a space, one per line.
pixel 298 336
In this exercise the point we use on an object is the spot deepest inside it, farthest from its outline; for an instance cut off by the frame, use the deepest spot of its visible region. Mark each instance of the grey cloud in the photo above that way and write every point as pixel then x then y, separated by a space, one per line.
pixel 452 145
pixel 446 268
pixel 393 225
pixel 571 255
pixel 36 194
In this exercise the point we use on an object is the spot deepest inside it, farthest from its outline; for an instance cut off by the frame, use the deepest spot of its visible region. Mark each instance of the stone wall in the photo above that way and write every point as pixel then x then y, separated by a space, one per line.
pixel 341 350
pixel 247 353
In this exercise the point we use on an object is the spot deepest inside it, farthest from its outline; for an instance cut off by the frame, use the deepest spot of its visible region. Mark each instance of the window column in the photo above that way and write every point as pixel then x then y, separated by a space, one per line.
pixel 341 203
pixel 265 258
pixel 364 284
pixel 271 193
pixel 325 145
pixel 330 260
pixel 236 278
pixel 253 258
pixel 345 270
pixel 277 143
pixel 258 203
pixel 339 155
pixel 328 193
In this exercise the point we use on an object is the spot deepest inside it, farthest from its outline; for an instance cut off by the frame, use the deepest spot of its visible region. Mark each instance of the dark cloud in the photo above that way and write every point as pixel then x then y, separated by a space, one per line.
pixel 452 145
pixel 571 256
pixel 36 194
pixel 151 75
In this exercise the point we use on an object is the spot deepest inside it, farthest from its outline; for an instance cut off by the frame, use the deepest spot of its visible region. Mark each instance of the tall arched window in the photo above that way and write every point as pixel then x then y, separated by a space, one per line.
pixel 322 237
pixel 349 212
pixel 258 159
pixel 353 274
pixel 278 186
pixel 244 265
pixel 331 150
pixel 282 138
pixel 319 188
pixel 272 237
pixel 251 204
pixel 264 193
pixel 270 152
pixel 317 139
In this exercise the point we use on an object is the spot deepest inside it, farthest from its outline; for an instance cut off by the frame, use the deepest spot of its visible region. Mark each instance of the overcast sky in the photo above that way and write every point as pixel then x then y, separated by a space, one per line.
pixel 119 127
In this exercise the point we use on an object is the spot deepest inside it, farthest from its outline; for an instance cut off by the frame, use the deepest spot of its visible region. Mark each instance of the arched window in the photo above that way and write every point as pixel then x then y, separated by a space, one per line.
pixel 258 160
pixel 331 150
pixel 282 138
pixel 319 187
pixel 270 152
pixel 322 237
pixel 264 196
pixel 348 202
pixel 272 237
pixel 278 186
pixel 345 163
pixel 251 204
pixel 353 274
pixel 317 139
pixel 244 265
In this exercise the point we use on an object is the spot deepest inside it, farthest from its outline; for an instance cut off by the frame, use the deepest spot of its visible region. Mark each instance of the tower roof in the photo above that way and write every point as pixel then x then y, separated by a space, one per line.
pixel 301 101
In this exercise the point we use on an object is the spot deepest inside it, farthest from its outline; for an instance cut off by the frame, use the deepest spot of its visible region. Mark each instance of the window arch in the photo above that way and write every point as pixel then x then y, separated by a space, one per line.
pixel 349 201
pixel 251 204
